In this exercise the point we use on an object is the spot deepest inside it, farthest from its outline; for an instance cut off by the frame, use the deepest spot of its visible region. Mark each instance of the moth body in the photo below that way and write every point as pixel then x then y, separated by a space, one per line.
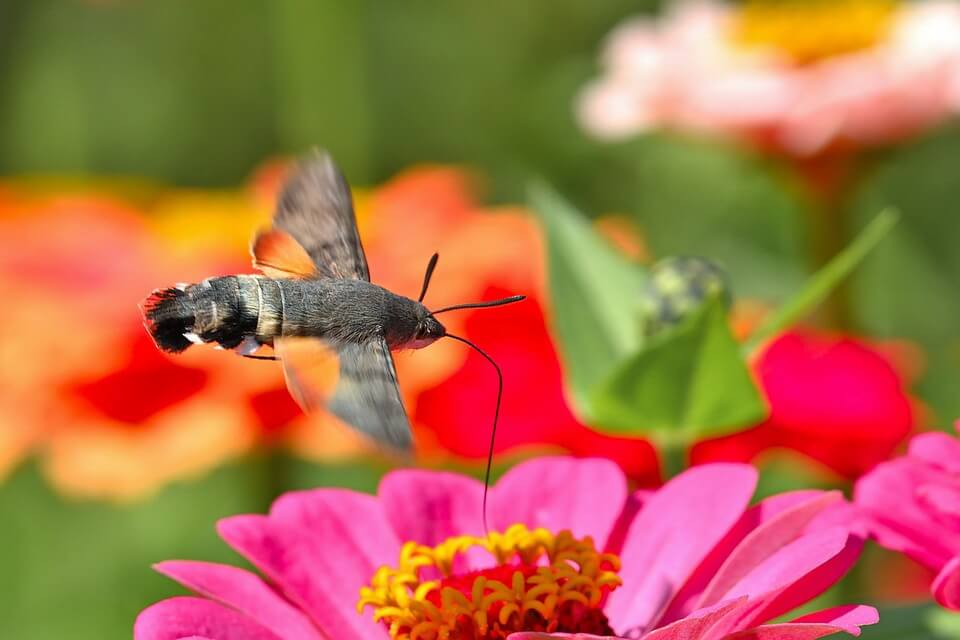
pixel 243 312
pixel 313 293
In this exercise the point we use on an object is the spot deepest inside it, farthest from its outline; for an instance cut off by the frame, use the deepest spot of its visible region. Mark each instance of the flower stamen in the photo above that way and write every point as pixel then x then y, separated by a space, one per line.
pixel 540 582
pixel 811 30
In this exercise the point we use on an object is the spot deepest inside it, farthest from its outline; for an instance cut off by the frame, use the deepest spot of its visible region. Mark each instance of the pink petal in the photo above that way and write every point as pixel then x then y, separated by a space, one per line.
pixel 847 618
pixel 697 624
pixel 946 586
pixel 689 597
pixel 677 528
pixel 937 448
pixel 350 529
pixel 582 495
pixel 798 558
pixel 535 635
pixel 188 617
pixel 243 591
pixel 808 587
pixel 320 547
pixel 428 507
pixel 816 625
pixel 897 520
pixel 631 507
pixel 794 575
pixel 943 501
pixel 788 631
pixel 764 541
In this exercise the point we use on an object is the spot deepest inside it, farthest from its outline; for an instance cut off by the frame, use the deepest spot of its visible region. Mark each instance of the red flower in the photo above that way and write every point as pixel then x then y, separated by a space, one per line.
pixel 459 410
pixel 836 400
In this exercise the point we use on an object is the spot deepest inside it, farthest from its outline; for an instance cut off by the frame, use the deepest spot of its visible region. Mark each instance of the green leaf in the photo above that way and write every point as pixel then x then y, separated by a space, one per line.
pixel 825 280
pixel 593 291
pixel 689 382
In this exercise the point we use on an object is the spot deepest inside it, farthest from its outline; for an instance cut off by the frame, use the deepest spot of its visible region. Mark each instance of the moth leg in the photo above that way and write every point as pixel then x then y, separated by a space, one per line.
pixel 253 357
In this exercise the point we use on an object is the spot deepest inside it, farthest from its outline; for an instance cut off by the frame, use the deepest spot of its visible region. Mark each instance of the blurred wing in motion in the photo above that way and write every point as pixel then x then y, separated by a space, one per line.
pixel 278 255
pixel 311 369
pixel 366 395
pixel 314 211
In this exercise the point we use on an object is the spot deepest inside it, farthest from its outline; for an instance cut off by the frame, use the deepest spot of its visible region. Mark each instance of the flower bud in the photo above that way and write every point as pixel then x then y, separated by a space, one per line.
pixel 678 286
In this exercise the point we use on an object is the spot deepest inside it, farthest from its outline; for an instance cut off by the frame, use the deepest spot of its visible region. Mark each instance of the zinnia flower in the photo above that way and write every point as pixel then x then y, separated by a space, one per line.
pixel 83 384
pixel 912 505
pixel 836 400
pixel 796 77
pixel 569 551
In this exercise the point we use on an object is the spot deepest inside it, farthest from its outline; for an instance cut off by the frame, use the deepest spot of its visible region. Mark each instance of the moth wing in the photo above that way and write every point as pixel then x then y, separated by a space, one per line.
pixel 278 255
pixel 365 395
pixel 311 369
pixel 368 397
pixel 315 209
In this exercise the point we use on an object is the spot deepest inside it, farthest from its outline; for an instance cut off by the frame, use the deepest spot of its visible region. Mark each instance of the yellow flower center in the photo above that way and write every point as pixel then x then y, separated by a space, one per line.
pixel 540 582
pixel 811 30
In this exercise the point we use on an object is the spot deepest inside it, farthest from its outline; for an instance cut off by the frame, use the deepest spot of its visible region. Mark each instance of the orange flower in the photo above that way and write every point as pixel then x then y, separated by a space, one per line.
pixel 83 385
pixel 111 417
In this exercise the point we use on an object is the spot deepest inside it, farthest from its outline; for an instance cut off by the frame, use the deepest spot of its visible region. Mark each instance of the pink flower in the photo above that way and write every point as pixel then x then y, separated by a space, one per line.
pixel 569 551
pixel 912 505
pixel 800 78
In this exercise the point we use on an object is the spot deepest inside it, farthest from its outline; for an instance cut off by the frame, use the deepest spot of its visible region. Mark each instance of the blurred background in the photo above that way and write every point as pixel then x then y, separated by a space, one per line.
pixel 142 142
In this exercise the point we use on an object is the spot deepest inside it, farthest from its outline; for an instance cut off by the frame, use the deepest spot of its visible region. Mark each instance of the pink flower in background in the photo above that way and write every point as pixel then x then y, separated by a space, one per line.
pixel 912 505
pixel 569 551
pixel 800 78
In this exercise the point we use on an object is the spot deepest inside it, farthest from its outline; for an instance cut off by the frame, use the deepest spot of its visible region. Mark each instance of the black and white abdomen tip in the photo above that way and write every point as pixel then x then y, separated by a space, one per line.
pixel 168 315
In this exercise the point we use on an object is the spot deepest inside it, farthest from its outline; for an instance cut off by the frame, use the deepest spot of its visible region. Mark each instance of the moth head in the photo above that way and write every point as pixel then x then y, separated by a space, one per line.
pixel 429 328
pixel 428 331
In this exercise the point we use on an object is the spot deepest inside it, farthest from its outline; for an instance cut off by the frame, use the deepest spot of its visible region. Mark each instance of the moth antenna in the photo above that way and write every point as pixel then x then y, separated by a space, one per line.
pixel 429 274
pixel 480 305
pixel 496 416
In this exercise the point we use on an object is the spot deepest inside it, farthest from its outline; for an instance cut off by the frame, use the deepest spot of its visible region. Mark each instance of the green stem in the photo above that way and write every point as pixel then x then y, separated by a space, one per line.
pixel 673 458
pixel 830 232
pixel 827 182
pixel 274 474
pixel 827 279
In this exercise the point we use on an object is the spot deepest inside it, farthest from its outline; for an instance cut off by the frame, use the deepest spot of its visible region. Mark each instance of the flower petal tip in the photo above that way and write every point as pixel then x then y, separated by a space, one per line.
pixel 946 586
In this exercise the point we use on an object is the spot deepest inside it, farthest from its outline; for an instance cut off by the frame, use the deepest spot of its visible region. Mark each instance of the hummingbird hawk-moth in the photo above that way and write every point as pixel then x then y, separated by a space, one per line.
pixel 314 289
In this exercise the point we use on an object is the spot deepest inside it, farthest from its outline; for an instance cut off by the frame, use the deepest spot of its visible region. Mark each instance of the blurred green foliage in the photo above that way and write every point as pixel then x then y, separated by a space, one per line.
pixel 918 622
pixel 910 288
pixel 80 570
pixel 198 93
